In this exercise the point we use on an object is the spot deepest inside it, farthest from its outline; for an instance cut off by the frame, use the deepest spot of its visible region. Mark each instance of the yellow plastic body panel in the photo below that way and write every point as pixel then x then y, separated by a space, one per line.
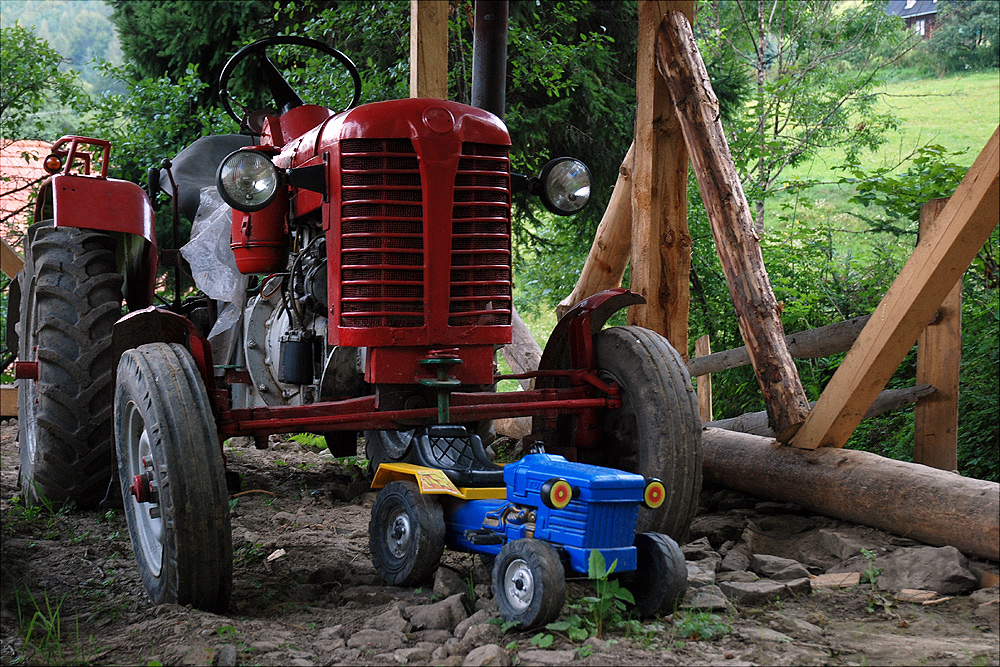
pixel 432 482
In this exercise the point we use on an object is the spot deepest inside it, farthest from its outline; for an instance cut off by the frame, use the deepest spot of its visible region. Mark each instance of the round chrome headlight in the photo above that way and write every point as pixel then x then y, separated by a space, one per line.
pixel 248 180
pixel 565 185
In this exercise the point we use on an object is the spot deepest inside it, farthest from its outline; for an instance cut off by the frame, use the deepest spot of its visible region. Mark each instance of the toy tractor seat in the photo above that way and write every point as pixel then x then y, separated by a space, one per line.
pixel 457 453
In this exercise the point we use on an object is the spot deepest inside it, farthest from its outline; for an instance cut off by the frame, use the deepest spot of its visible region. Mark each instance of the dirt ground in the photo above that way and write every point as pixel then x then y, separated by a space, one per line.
pixel 305 588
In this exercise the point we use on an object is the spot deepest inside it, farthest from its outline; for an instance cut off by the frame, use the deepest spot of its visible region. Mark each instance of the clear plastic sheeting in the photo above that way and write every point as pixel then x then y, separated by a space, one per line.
pixel 213 267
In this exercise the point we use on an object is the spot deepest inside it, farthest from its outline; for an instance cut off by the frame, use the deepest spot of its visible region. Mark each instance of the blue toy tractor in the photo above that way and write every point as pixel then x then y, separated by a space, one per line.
pixel 536 519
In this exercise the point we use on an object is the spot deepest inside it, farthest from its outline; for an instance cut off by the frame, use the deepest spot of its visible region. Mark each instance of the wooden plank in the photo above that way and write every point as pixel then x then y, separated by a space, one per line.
pixel 429 48
pixel 10 261
pixel 703 348
pixel 918 291
pixel 939 356
pixel 916 501
pixel 661 243
pixel 8 400
pixel 605 264
pixel 736 242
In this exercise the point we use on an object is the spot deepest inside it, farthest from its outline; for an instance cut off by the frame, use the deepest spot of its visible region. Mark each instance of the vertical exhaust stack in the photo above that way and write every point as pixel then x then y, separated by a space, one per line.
pixel 489 56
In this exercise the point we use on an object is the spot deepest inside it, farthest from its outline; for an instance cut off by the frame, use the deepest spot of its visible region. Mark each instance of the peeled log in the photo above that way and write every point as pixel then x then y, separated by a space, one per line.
pixel 926 504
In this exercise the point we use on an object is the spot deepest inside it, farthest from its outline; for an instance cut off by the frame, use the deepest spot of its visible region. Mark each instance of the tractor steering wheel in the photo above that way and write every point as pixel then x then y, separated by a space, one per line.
pixel 285 97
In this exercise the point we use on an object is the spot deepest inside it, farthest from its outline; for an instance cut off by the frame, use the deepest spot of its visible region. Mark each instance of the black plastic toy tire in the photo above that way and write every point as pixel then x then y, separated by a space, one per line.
pixel 660 580
pixel 529 582
pixel 182 538
pixel 657 431
pixel 71 296
pixel 405 534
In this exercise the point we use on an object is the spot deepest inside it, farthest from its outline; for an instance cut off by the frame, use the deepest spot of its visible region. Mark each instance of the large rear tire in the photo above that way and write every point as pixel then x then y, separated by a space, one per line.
pixel 165 433
pixel 657 431
pixel 71 296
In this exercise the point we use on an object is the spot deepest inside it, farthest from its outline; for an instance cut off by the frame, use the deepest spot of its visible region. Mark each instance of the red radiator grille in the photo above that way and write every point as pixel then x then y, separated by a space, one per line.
pixel 382 234
pixel 480 291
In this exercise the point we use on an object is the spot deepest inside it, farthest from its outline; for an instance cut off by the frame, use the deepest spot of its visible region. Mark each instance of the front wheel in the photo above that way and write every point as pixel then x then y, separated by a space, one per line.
pixel 529 583
pixel 657 431
pixel 173 478
pixel 660 579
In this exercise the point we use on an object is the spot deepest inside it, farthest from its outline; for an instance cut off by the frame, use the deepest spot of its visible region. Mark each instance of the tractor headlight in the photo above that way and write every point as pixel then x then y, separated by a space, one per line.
pixel 248 180
pixel 565 185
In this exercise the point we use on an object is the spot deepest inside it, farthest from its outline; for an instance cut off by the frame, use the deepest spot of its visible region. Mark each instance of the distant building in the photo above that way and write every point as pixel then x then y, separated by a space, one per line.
pixel 918 14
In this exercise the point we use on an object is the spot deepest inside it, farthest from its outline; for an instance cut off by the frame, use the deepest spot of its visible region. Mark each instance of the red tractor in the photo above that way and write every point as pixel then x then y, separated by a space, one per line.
pixel 373 288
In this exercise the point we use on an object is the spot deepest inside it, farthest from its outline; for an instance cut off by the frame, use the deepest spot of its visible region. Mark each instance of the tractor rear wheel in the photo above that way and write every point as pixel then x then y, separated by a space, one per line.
pixel 173 478
pixel 657 431
pixel 71 296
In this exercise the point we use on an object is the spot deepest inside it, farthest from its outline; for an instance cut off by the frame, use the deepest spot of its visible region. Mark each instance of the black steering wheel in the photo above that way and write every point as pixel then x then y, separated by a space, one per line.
pixel 285 97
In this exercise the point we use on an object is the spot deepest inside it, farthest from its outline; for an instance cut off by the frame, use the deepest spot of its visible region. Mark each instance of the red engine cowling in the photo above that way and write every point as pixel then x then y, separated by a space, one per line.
pixel 418 236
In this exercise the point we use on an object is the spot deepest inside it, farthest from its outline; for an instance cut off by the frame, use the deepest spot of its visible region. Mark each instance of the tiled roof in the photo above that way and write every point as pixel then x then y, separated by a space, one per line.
pixel 911 8
pixel 16 189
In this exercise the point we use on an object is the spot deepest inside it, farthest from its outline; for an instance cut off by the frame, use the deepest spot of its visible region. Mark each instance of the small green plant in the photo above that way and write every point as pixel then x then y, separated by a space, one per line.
pixel 871 573
pixel 695 625
pixel 542 640
pixel 310 441
pixel 595 614
pixel 43 631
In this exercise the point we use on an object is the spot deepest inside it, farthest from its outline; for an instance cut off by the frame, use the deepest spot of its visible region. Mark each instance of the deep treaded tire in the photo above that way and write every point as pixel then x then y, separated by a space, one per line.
pixel 405 534
pixel 529 582
pixel 71 296
pixel 182 537
pixel 657 431
pixel 660 579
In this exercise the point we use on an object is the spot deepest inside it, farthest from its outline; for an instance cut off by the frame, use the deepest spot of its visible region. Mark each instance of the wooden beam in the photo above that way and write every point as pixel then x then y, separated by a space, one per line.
pixel 918 291
pixel 908 499
pixel 10 261
pixel 661 243
pixel 429 48
pixel 728 212
pixel 605 265
pixel 703 348
pixel 810 344
pixel 939 357
pixel 887 401
pixel 8 400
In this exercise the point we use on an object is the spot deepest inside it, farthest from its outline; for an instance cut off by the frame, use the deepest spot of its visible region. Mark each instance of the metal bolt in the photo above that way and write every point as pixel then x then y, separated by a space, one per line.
pixel 252 344
pixel 262 387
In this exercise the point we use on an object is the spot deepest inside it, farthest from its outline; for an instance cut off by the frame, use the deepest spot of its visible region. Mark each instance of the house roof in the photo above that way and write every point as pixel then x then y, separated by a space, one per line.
pixel 911 8
pixel 16 191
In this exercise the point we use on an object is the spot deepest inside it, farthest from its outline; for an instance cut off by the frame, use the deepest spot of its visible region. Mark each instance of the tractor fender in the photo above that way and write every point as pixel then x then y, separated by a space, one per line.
pixel 431 481
pixel 118 207
pixel 155 325
pixel 593 311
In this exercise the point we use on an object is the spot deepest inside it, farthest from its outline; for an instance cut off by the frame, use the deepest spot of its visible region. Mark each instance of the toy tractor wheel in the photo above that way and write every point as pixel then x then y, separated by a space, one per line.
pixel 660 579
pixel 657 431
pixel 71 296
pixel 173 478
pixel 406 534
pixel 529 583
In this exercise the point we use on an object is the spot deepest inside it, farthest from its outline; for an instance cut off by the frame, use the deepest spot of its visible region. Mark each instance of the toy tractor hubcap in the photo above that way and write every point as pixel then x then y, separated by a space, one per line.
pixel 398 535
pixel 519 585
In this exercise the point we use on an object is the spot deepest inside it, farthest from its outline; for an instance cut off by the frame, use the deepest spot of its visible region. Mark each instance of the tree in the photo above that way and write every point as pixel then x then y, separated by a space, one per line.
pixel 816 66
pixel 966 37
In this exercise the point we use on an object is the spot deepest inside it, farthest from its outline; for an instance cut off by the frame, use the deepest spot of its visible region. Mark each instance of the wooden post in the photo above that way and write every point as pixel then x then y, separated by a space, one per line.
pixel 732 225
pixel 10 261
pixel 939 356
pixel 908 499
pixel 605 265
pixel 661 243
pixel 703 348
pixel 919 290
pixel 429 48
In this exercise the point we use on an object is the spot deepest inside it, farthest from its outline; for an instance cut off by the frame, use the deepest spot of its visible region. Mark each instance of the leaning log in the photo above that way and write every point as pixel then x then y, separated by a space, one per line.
pixel 926 504
pixel 811 344
pixel 736 241
pixel 608 257
pixel 889 400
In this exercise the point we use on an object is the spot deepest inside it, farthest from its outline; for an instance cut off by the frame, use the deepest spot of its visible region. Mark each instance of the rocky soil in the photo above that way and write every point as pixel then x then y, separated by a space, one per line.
pixel 769 585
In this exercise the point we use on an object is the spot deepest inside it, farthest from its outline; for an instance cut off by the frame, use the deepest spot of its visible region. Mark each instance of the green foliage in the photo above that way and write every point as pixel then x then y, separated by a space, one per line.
pixel 871 573
pixel 965 38
pixel 696 625
pixel 593 615
pixel 31 82
pixel 45 639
